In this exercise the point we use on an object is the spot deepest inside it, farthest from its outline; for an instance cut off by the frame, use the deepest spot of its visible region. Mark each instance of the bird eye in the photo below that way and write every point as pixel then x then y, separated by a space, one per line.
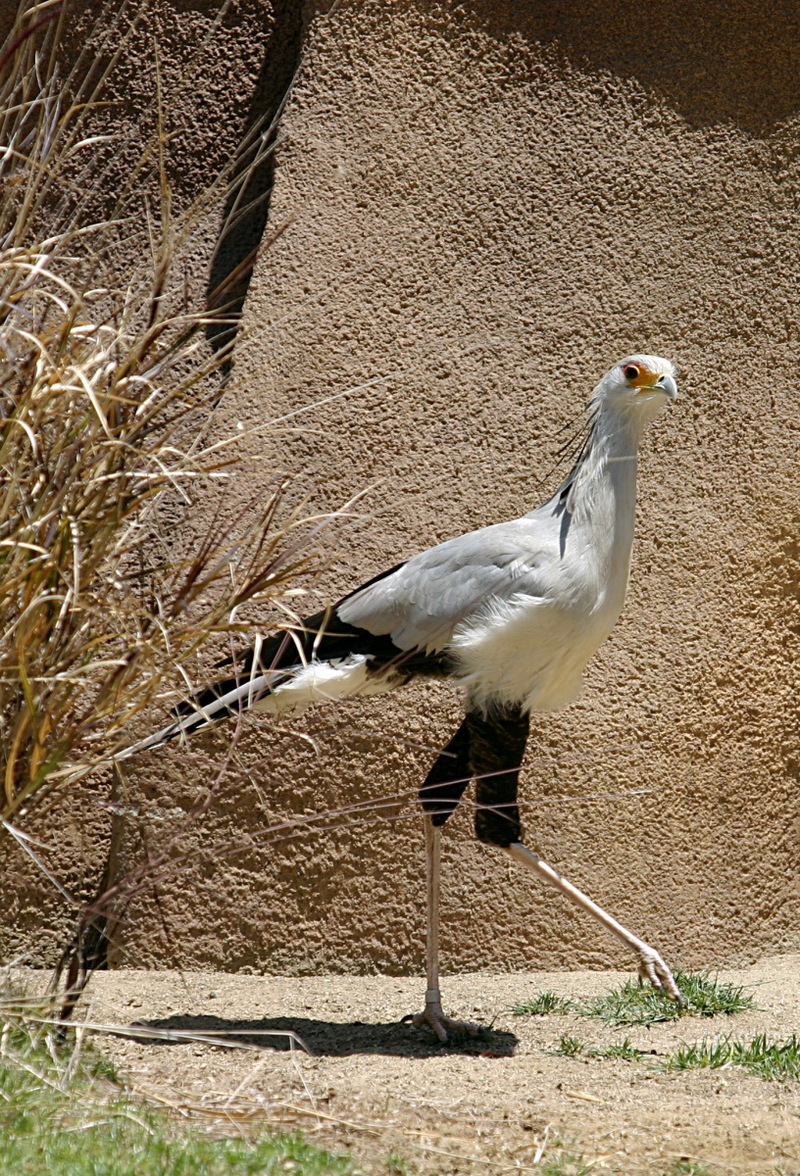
pixel 631 371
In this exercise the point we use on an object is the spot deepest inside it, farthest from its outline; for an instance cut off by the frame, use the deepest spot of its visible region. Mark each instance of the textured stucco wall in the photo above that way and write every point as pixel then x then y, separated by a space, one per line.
pixel 486 205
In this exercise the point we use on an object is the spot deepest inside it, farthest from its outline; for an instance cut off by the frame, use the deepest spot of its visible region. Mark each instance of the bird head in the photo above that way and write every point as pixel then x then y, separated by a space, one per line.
pixel 639 383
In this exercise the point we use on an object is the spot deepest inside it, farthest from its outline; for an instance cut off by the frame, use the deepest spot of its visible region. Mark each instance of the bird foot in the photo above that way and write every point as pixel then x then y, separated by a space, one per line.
pixel 443 1027
pixel 653 970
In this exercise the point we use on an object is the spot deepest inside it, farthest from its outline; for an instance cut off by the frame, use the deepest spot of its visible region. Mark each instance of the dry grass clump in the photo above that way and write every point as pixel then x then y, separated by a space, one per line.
pixel 106 391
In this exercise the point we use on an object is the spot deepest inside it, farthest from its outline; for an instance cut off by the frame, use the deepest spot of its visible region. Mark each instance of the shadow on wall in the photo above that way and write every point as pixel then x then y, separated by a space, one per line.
pixel 247 208
pixel 722 61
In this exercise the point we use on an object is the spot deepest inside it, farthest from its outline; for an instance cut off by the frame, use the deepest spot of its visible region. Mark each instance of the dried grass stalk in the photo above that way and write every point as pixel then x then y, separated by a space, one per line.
pixel 105 393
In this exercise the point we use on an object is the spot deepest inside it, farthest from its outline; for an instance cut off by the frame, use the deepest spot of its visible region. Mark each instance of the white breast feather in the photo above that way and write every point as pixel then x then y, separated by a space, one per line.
pixel 528 651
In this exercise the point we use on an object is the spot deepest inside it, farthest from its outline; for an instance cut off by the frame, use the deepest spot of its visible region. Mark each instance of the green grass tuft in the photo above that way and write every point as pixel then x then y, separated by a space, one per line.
pixel 573 1047
pixel 565 1164
pixel 767 1059
pixel 708 996
pixel 544 1004
pixel 569 1047
pixel 622 1050
pixel 635 1004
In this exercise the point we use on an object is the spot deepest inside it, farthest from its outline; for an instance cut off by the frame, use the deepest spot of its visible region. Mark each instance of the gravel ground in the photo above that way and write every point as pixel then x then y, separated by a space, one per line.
pixel 367 1083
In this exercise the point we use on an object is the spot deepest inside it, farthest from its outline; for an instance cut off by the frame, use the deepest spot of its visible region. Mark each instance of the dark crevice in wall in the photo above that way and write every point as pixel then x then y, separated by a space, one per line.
pixel 247 208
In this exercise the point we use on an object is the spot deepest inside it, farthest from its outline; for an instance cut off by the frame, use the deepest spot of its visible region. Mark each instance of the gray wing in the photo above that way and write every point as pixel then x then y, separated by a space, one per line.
pixel 420 603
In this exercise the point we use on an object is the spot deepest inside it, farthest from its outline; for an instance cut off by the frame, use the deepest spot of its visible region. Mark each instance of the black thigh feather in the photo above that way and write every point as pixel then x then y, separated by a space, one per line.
pixel 496 747
pixel 489 749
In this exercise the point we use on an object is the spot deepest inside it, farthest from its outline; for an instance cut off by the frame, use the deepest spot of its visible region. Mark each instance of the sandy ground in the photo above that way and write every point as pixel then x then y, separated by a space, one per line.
pixel 376 1087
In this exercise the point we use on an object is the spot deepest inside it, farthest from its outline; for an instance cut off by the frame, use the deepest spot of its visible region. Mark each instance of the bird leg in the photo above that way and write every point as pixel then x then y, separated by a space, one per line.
pixel 651 965
pixel 496 747
pixel 432 1016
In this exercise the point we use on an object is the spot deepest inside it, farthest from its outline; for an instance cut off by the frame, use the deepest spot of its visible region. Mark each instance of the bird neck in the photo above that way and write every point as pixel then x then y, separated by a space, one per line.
pixel 606 469
pixel 596 504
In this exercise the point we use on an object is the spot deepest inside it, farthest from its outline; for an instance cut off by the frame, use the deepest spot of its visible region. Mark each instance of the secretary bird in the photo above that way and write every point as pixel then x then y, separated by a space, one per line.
pixel 511 613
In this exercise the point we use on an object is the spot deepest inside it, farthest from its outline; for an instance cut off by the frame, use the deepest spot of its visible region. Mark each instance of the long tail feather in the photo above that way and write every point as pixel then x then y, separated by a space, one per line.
pixel 265 666
pixel 322 658
pixel 214 705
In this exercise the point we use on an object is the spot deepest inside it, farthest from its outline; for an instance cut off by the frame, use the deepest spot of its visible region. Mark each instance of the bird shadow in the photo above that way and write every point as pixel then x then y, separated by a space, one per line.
pixel 321 1038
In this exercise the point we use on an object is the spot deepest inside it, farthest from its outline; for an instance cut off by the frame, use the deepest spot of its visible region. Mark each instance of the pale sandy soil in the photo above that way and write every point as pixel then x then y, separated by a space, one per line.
pixel 374 1086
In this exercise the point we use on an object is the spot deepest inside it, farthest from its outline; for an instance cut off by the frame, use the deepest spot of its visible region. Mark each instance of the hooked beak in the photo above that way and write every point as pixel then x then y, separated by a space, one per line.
pixel 668 386
pixel 665 384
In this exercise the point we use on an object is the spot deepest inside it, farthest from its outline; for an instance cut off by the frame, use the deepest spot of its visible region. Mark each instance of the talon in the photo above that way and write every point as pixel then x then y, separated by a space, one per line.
pixel 434 1019
pixel 653 969
pixel 648 974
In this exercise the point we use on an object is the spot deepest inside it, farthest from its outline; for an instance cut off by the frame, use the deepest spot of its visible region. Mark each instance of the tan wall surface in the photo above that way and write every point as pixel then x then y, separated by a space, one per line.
pixel 486 205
